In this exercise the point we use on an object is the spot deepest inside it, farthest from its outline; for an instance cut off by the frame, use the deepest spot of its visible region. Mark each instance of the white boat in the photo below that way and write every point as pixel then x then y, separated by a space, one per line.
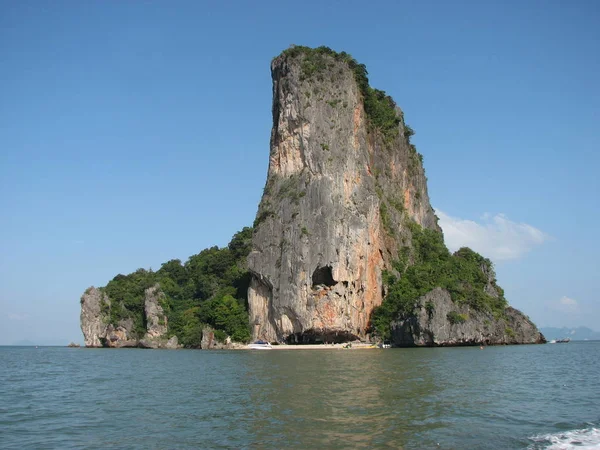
pixel 260 345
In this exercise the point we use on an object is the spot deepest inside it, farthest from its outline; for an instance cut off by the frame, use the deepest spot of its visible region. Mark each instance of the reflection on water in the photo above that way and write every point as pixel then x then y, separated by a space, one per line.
pixel 337 399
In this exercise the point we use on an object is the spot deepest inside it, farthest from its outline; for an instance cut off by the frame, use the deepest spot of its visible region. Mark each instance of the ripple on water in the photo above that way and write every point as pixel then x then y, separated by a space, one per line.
pixel 582 439
pixel 399 398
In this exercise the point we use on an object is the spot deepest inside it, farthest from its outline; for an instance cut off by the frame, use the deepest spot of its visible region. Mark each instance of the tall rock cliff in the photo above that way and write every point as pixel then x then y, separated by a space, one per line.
pixel 345 223
pixel 94 310
pixel 338 192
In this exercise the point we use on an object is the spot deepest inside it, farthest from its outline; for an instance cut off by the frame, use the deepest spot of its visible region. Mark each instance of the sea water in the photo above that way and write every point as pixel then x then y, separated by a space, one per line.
pixel 514 397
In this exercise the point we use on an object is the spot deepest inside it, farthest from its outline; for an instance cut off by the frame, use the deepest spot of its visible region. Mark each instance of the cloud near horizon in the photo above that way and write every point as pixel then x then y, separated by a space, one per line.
pixel 495 237
pixel 17 316
pixel 566 305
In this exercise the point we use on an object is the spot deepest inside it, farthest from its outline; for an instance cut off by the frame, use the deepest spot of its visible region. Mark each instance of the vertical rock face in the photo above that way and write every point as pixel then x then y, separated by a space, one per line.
pixel 94 307
pixel 332 213
pixel 156 320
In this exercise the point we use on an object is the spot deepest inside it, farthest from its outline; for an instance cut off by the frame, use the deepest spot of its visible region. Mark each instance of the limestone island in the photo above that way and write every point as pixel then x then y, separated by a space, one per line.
pixel 345 246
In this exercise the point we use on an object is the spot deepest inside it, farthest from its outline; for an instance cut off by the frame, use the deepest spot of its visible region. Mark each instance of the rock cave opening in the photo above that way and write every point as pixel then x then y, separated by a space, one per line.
pixel 323 276
pixel 321 336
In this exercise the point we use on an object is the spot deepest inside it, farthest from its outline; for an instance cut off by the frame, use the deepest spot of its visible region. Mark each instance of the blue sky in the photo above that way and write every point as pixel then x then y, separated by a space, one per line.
pixel 135 132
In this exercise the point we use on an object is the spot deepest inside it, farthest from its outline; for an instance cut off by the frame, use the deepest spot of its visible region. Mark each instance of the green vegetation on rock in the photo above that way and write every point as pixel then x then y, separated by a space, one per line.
pixel 456 318
pixel 428 264
pixel 209 289
pixel 126 293
pixel 381 110
pixel 380 107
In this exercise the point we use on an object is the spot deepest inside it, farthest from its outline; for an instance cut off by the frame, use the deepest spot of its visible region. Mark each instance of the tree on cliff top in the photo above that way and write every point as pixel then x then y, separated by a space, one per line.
pixel 379 107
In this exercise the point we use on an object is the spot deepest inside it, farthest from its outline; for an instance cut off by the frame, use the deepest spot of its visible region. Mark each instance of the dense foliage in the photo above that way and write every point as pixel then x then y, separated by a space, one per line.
pixel 209 289
pixel 428 264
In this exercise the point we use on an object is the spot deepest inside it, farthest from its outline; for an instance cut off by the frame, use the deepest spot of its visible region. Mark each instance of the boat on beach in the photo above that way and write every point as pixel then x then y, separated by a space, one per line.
pixel 260 345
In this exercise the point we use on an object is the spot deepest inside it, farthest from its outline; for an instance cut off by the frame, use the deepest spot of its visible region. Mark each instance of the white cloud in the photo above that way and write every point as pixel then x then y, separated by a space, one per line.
pixel 567 301
pixel 494 236
pixel 566 305
pixel 13 316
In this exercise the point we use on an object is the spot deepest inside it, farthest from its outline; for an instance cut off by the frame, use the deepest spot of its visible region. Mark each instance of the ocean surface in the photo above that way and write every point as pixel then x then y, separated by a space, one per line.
pixel 516 397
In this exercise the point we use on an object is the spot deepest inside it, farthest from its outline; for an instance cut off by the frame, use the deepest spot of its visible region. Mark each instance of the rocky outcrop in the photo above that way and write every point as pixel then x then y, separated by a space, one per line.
pixel 345 199
pixel 170 344
pixel 332 214
pixel 98 331
pixel 345 193
pixel 156 320
pixel 438 321
pixel 95 306
pixel 120 335
pixel 210 342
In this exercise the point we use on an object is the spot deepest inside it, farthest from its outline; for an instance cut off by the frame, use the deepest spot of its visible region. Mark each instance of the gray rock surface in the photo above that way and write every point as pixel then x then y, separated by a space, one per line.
pixel 172 343
pixel 333 210
pixel 93 319
pixel 156 320
pixel 120 335
pixel 210 342
pixel 155 343
pixel 431 325
pixel 99 332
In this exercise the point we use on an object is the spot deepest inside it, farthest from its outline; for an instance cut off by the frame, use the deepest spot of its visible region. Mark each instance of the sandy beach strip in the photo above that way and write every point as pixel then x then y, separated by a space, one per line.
pixel 355 346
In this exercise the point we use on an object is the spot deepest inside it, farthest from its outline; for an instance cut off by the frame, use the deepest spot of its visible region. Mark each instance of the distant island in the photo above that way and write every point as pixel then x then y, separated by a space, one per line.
pixel 345 245
pixel 575 334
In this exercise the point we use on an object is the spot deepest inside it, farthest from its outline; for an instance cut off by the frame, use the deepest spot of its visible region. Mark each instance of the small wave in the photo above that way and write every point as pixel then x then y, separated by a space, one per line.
pixel 584 439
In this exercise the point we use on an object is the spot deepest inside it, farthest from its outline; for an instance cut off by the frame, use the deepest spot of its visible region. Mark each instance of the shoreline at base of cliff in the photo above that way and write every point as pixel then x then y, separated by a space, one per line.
pixel 339 346
pixel 343 346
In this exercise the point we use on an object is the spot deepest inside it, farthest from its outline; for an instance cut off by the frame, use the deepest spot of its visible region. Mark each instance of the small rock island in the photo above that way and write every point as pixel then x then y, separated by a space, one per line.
pixel 345 244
